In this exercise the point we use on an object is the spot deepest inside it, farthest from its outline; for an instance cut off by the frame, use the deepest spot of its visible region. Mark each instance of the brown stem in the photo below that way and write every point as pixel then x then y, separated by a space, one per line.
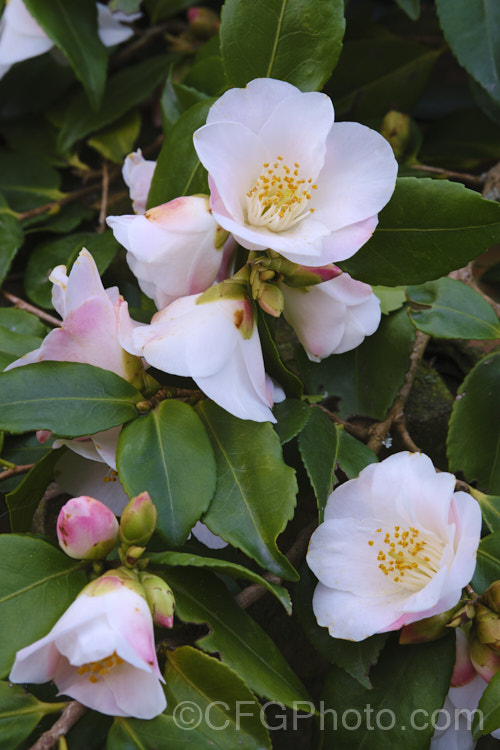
pixel 361 433
pixel 476 179
pixel 21 469
pixel 69 717
pixel 104 197
pixel 402 430
pixel 22 305
pixel 138 44
pixel 379 431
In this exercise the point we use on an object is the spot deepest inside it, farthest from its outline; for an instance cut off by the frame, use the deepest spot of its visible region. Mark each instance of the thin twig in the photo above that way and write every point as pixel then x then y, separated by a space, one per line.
pixel 137 45
pixel 402 430
pixel 22 305
pixel 475 179
pixel 379 430
pixel 21 469
pixel 361 433
pixel 69 717
pixel 104 197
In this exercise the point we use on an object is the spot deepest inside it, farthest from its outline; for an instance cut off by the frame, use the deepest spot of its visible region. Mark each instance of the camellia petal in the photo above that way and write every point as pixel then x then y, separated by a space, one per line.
pixel 137 173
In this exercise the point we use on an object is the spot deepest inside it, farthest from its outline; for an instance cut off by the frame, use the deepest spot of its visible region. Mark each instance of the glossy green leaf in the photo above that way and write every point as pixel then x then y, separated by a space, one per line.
pixel 33 85
pixel 488 709
pixel 488 563
pixel 410 7
pixel 27 182
pixel 243 645
pixel 72 26
pixel 68 398
pixel 353 455
pixel 453 311
pixel 20 332
pixel 90 732
pixel 355 658
pixel 368 378
pixel 24 500
pixel 461 140
pixel 159 10
pixel 318 446
pixel 384 717
pixel 474 435
pixel 124 91
pixel 33 597
pixel 161 733
pixel 217 693
pixel 64 250
pixel 224 567
pixel 11 238
pixel 292 416
pixel 490 509
pixel 167 452
pixel 377 74
pixel 20 713
pixel 118 139
pixel 275 367
pixel 429 228
pixel 207 75
pixel 255 492
pixel 298 41
pixel 473 32
pixel 391 298
pixel 178 169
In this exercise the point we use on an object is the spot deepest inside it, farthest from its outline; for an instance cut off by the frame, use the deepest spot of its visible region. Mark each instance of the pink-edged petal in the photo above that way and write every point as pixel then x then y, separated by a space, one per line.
pixel 252 105
pixel 83 282
pixel 463 671
pixel 358 177
pixel 318 320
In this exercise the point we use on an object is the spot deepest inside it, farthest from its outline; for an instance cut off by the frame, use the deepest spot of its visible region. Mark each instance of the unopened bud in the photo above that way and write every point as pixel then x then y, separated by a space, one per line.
pixel 396 128
pixel 130 555
pixel 138 521
pixel 486 662
pixel 203 22
pixel 487 627
pixel 111 581
pixel 160 598
pixel 270 298
pixel 491 597
pixel 428 629
pixel 86 528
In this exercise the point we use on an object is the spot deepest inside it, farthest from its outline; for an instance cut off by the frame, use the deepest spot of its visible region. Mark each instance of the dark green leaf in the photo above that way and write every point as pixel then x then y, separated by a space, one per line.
pixel 19 450
pixel 292 416
pixel 68 398
pixel 488 563
pixel 126 6
pixel 171 108
pixel 391 298
pixel 32 86
pixel 411 7
pixel 378 74
pixel 353 455
pixel 368 378
pixel 168 453
pixel 298 41
pixel 64 250
pixel 488 709
pixel 200 597
pixel 72 26
pixel 178 169
pixel 27 182
pixel 11 238
pixel 490 509
pixel 461 140
pixel 162 733
pixel 217 692
pixel 455 311
pixel 118 139
pixel 23 501
pixel 255 493
pixel 19 714
pixel 15 345
pixel 474 436
pixel 124 91
pixel 159 10
pixel 223 566
pixel 429 228
pixel 69 217
pixel 275 366
pixel 355 658
pixel 207 76
pixel 318 446
pixel 473 32
pixel 385 717
pixel 90 732
pixel 33 597
pixel 22 322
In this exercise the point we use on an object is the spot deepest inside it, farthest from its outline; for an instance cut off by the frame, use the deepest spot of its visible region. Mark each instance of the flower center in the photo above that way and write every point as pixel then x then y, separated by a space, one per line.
pixel 96 669
pixel 407 557
pixel 279 197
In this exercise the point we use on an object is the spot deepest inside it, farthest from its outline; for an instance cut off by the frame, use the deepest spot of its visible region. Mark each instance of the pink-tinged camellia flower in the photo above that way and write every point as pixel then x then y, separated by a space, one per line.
pixel 137 173
pixel 21 37
pixel 86 529
pixel 174 249
pixel 332 317
pixel 284 176
pixel 397 545
pixel 214 342
pixel 101 652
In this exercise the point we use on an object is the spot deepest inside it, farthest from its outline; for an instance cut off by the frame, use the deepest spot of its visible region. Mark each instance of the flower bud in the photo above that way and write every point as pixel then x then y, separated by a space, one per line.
pixel 113 580
pixel 297 275
pixel 130 555
pixel 396 128
pixel 86 529
pixel 428 629
pixel 491 597
pixel 203 22
pixel 487 627
pixel 138 521
pixel 486 662
pixel 270 298
pixel 160 598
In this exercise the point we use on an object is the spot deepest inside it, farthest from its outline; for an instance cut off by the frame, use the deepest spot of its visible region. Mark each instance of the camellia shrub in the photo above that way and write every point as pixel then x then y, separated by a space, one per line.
pixel 250 374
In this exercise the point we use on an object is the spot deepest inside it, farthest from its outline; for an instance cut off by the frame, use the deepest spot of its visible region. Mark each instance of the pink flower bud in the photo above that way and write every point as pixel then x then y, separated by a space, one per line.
pixel 160 598
pixel 86 528
pixel 138 521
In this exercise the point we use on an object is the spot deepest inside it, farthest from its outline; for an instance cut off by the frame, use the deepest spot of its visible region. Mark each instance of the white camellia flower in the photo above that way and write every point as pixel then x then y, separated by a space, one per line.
pixel 21 37
pixel 284 176
pixel 397 545
pixel 174 249
pixel 101 652
pixel 214 342
pixel 137 173
pixel 332 317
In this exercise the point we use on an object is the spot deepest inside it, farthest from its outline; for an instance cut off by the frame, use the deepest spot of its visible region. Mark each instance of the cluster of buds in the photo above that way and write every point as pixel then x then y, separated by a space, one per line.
pixel 88 530
pixel 484 641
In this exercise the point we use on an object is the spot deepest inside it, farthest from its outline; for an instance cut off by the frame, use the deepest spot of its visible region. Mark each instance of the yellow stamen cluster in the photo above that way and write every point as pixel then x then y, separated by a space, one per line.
pixel 113 476
pixel 407 558
pixel 96 669
pixel 279 196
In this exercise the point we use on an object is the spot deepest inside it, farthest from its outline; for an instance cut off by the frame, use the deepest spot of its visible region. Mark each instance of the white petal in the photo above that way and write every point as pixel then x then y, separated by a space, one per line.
pixel 252 105
pixel 110 28
pixel 336 245
pixel 80 476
